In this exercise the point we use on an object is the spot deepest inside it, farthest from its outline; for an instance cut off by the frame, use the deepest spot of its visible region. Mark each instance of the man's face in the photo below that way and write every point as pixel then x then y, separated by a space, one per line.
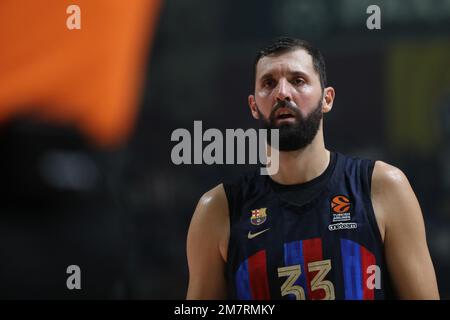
pixel 288 96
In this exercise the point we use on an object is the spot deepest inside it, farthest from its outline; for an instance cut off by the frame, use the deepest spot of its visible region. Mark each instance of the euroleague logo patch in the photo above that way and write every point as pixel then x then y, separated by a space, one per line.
pixel 340 204
pixel 341 210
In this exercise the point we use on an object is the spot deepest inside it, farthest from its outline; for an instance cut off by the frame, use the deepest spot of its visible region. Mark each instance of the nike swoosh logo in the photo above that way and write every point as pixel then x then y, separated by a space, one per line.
pixel 253 235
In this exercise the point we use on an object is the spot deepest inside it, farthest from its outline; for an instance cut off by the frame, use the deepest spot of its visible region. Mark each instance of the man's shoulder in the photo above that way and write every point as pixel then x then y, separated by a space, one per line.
pixel 387 177
pixel 212 210
pixel 382 175
pixel 219 198
pixel 212 198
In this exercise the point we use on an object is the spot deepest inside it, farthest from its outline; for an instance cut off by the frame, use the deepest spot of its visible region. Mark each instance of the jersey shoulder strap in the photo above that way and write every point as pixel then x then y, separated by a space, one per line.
pixel 237 190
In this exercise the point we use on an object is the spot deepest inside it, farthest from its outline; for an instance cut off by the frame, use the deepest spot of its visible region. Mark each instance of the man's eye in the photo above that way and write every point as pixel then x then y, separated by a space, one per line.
pixel 269 83
pixel 299 81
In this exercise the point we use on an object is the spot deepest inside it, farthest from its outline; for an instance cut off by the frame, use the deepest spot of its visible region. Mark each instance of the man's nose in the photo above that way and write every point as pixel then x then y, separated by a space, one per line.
pixel 283 91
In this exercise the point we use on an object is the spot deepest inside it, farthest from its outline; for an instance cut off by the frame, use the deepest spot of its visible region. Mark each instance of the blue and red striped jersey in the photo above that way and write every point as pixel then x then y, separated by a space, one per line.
pixel 317 240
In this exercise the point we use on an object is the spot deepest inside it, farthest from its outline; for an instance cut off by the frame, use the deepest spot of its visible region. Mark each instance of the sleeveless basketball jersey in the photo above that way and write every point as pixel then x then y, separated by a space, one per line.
pixel 303 241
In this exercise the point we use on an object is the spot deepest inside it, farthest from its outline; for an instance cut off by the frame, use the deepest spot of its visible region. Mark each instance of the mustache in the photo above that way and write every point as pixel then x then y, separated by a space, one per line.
pixel 284 104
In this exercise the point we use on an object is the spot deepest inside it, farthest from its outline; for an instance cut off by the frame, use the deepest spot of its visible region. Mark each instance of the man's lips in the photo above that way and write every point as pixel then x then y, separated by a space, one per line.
pixel 284 113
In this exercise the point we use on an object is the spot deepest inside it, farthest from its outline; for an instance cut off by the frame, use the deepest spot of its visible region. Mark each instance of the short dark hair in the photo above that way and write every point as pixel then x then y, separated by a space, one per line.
pixel 286 44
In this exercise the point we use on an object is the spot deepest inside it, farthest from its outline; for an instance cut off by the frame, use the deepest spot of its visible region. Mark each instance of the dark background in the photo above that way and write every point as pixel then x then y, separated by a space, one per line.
pixel 122 215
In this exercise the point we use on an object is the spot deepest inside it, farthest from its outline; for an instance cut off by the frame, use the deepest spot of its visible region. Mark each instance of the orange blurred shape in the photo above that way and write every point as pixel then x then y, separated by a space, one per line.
pixel 90 78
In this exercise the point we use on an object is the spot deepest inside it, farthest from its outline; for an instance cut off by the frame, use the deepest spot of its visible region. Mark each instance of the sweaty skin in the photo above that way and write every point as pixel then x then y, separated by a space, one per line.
pixel 291 76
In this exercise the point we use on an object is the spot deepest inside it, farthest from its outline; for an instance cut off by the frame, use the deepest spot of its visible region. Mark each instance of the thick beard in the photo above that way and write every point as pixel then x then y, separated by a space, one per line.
pixel 297 135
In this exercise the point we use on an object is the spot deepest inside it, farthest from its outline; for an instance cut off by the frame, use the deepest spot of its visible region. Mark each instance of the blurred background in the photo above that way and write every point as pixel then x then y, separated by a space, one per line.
pixel 86 117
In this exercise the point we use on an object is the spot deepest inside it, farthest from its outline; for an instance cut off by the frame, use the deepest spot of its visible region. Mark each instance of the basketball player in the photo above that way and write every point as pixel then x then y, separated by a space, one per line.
pixel 326 226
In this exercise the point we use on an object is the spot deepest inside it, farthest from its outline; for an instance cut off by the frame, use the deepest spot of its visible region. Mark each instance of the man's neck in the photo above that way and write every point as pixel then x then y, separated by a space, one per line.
pixel 302 165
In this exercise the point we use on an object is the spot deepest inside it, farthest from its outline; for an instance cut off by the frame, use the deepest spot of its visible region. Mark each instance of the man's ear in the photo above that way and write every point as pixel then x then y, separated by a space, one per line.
pixel 328 99
pixel 253 106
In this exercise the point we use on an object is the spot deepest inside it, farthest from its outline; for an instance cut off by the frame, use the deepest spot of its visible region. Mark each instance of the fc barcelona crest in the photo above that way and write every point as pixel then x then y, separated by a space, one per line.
pixel 258 217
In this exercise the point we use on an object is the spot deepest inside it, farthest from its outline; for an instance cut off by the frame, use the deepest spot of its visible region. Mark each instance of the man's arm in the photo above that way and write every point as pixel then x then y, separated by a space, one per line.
pixel 406 250
pixel 207 244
